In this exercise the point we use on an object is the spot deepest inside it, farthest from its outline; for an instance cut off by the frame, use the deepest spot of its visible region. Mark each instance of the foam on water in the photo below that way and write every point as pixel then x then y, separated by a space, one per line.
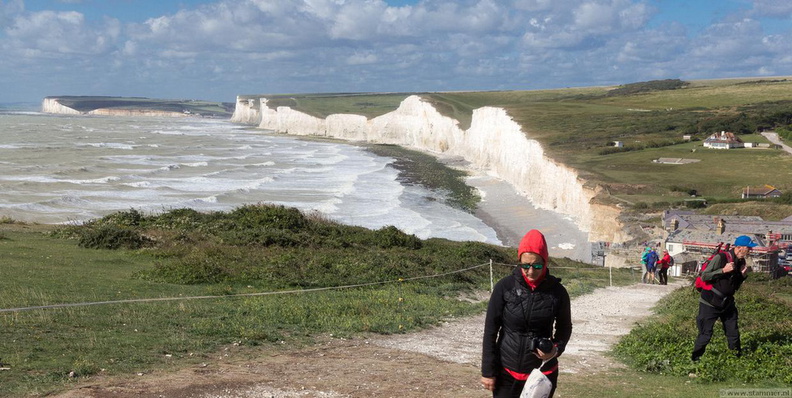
pixel 206 165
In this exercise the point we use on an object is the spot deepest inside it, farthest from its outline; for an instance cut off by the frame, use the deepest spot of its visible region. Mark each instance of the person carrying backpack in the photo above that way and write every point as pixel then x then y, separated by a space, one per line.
pixel 651 266
pixel 722 277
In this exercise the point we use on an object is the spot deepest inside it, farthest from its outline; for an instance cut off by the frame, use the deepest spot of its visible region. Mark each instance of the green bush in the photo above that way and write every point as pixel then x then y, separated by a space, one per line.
pixel 390 236
pixel 112 237
pixel 130 218
pixel 785 198
pixel 268 216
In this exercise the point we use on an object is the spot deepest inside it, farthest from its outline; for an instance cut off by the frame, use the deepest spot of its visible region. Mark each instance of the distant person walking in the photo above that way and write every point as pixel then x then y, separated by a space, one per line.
pixel 663 265
pixel 722 277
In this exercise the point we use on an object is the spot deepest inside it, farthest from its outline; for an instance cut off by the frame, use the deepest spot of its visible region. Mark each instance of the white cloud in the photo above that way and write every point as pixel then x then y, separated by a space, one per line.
pixel 730 40
pixel 362 59
pixel 57 34
pixel 366 45
pixel 9 10
pixel 772 8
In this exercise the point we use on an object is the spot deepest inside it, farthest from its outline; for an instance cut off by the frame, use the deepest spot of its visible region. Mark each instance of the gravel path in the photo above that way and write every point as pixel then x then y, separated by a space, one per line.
pixel 439 362
pixel 598 320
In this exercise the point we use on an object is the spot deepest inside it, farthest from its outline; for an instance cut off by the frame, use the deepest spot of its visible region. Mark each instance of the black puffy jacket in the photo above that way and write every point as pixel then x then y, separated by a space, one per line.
pixel 515 315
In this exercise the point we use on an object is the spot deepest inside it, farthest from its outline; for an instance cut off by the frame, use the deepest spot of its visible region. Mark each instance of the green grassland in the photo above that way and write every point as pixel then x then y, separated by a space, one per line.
pixel 579 125
pixel 204 108
pixel 408 283
pixel 214 267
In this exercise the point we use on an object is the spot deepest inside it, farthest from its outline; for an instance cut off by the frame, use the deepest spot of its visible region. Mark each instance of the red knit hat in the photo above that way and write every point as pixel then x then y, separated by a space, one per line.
pixel 533 242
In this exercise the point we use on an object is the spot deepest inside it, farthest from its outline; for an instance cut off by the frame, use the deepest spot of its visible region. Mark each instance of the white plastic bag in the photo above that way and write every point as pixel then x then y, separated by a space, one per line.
pixel 537 385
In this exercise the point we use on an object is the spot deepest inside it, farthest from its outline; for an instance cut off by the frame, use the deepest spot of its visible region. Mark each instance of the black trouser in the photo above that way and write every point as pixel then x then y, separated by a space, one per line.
pixel 705 321
pixel 507 386
pixel 663 276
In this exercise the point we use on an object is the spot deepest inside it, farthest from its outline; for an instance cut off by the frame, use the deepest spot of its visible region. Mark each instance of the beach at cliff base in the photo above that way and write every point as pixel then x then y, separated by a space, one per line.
pixel 511 214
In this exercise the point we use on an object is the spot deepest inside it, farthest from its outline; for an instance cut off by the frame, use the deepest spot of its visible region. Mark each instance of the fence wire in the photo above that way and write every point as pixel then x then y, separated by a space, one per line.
pixel 277 292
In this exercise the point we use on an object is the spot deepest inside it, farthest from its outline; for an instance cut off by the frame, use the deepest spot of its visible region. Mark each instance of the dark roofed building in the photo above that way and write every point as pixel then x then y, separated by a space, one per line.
pixel 764 192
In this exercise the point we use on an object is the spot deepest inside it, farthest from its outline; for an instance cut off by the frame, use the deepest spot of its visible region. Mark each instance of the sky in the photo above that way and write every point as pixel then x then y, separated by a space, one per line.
pixel 218 49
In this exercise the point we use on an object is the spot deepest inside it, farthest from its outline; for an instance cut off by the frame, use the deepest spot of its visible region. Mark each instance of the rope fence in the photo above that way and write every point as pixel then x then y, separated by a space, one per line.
pixel 270 293
pixel 294 291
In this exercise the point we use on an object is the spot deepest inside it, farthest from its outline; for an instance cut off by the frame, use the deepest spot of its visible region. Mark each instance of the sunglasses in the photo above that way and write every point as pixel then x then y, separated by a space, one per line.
pixel 529 266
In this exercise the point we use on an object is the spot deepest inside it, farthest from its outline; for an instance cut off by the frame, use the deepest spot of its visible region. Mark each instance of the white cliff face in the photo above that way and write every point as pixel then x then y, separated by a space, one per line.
pixel 247 111
pixel 51 105
pixel 494 143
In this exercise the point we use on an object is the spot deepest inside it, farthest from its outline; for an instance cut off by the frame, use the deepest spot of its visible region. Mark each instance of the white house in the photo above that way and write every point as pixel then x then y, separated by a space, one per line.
pixel 723 140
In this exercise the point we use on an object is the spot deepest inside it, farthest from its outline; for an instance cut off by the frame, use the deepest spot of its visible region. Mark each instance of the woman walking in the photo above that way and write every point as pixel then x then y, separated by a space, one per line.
pixel 528 322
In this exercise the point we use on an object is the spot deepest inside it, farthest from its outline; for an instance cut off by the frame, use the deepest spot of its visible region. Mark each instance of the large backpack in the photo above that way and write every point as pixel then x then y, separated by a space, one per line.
pixel 700 284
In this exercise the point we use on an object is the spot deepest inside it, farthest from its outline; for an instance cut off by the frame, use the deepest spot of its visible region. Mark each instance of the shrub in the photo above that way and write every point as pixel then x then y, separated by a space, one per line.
pixel 390 236
pixel 111 237
pixel 268 216
pixel 130 218
pixel 785 198
pixel 695 204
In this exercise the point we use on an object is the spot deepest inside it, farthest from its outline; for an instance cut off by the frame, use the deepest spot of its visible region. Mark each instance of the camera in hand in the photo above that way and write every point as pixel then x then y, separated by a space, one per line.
pixel 542 343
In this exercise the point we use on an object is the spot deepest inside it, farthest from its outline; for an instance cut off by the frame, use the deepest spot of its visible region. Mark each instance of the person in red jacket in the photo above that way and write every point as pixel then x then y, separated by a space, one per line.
pixel 528 322
pixel 662 269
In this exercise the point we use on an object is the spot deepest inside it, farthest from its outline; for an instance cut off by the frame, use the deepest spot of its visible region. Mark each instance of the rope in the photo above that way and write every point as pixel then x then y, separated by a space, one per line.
pixel 318 289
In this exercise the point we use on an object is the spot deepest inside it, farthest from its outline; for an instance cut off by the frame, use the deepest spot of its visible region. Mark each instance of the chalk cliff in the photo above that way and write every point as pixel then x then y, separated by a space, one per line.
pixel 247 111
pixel 51 105
pixel 494 143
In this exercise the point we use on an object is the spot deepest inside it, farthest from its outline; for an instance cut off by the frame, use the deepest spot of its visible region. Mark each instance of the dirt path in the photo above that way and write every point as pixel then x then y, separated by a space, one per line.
pixel 773 137
pixel 439 362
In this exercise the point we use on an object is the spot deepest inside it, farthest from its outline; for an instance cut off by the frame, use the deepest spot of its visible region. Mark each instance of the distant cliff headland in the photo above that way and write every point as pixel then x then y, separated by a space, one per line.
pixel 135 106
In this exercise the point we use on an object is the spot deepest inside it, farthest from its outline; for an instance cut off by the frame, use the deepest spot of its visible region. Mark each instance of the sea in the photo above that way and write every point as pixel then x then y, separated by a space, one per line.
pixel 61 169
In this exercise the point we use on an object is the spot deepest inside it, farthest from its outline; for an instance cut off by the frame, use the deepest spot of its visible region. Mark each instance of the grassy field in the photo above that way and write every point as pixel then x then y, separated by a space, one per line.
pixel 251 250
pixel 579 125
pixel 212 257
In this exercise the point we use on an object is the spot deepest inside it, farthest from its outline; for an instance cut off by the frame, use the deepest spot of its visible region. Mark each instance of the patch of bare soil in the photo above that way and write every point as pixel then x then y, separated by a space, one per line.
pixel 439 362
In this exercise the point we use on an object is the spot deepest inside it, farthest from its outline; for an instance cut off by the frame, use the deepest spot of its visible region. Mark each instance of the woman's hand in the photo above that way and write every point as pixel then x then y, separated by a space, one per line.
pixel 488 383
pixel 547 356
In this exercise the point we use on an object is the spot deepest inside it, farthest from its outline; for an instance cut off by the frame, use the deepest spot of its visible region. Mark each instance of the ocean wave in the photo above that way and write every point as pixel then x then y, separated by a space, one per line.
pixel 67 200
pixel 256 185
pixel 167 132
pixel 103 180
pixel 196 164
pixel 208 199
pixel 111 145
pixel 139 184
pixel 264 164
pixel 169 167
